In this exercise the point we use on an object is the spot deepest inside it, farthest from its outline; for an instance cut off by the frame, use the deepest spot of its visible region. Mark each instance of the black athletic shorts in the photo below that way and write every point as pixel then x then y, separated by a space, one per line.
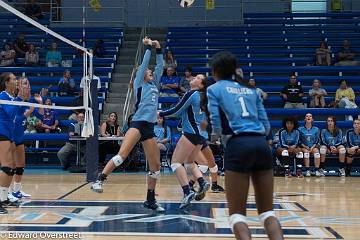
pixel 248 152
pixel 194 138
pixel 146 129
pixel 4 138
pixel 205 144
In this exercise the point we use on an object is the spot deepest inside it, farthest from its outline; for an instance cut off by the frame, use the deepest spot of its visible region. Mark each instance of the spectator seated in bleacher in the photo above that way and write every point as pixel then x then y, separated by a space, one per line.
pixel 66 84
pixel 346 55
pixel 287 147
pixel 186 79
pixel 20 46
pixel 7 56
pixel 332 142
pixel 353 145
pixel 31 57
pixel 163 134
pixel 69 149
pixel 259 91
pixel 33 10
pixel 309 139
pixel 110 128
pixel 78 101
pixel 345 97
pixel 317 95
pixel 292 94
pixel 53 57
pixel 99 49
pixel 323 55
pixel 169 84
pixel 31 123
pixel 49 122
pixel 169 60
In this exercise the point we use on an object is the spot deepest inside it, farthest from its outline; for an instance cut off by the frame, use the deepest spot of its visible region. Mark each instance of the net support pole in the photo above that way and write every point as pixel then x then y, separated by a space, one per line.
pixel 92 143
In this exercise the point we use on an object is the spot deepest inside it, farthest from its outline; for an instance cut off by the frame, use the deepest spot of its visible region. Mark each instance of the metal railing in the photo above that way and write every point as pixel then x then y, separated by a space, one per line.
pixel 137 62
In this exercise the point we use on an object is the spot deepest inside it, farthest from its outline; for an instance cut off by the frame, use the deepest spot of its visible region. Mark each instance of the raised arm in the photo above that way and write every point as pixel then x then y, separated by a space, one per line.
pixel 139 79
pixel 159 63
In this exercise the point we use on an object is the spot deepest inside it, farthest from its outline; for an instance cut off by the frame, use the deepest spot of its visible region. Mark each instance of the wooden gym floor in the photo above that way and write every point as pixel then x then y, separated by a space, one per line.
pixel 309 208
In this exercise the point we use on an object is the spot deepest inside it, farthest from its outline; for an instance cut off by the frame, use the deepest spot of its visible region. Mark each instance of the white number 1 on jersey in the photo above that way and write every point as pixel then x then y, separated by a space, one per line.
pixel 245 113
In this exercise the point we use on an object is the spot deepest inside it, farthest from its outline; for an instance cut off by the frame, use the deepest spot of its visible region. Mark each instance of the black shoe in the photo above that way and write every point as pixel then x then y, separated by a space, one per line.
pixel 186 200
pixel 8 203
pixel 3 210
pixel 200 195
pixel 217 188
pixel 154 206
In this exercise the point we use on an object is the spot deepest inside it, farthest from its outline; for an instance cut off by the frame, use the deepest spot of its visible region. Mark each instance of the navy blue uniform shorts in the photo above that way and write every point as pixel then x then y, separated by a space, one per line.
pixel 247 153
pixel 194 138
pixel 146 129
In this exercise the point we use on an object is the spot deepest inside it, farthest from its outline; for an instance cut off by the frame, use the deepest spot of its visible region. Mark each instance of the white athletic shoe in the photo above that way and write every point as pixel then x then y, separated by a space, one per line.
pixel 308 173
pixel 97 186
pixel 342 172
pixel 12 198
pixel 317 173
pixel 21 194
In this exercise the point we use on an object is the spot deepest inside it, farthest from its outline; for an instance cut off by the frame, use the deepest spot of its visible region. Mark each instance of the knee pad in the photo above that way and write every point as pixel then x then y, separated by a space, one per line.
pixel 19 171
pixel 316 155
pixel 117 160
pixel 300 155
pixel 236 218
pixel 188 167
pixel 306 155
pixel 285 153
pixel 203 168
pixel 154 175
pixel 175 166
pixel 214 169
pixel 266 215
pixel 323 150
pixel 342 151
pixel 8 171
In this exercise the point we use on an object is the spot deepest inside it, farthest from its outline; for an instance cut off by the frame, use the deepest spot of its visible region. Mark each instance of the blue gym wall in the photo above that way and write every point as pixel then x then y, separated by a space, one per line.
pixel 163 13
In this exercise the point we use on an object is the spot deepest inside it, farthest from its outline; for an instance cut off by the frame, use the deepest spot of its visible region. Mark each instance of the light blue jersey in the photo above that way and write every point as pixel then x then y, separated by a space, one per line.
pixel 329 140
pixel 309 137
pixel 352 139
pixel 147 94
pixel 236 109
pixel 160 132
pixel 189 110
pixel 287 139
pixel 203 132
pixel 7 115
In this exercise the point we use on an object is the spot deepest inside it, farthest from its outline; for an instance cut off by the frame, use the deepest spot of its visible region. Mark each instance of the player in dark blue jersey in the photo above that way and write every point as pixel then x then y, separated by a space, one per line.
pixel 189 144
pixel 332 142
pixel 352 139
pixel 7 117
pixel 146 88
pixel 309 140
pixel 237 110
pixel 19 152
pixel 287 147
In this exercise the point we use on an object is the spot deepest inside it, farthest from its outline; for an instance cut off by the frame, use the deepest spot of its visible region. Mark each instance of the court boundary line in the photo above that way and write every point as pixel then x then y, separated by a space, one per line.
pixel 72 191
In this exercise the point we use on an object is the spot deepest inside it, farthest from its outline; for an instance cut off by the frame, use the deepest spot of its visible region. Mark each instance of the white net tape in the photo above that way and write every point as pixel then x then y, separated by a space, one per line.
pixel 88 129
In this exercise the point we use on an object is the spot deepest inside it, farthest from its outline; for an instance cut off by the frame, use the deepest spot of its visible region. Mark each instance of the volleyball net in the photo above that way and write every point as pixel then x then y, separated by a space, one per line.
pixel 87 73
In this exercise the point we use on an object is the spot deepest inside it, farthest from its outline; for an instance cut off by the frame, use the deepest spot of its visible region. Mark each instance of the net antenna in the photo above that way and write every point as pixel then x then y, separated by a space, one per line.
pixel 88 71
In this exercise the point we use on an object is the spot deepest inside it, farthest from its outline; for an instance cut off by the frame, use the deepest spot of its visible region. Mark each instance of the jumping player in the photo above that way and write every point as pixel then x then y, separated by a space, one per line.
pixel 146 87
pixel 237 110
pixel 189 144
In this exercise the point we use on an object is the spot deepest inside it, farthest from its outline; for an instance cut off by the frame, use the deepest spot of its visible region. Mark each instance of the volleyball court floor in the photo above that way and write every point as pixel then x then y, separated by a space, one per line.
pixel 309 208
